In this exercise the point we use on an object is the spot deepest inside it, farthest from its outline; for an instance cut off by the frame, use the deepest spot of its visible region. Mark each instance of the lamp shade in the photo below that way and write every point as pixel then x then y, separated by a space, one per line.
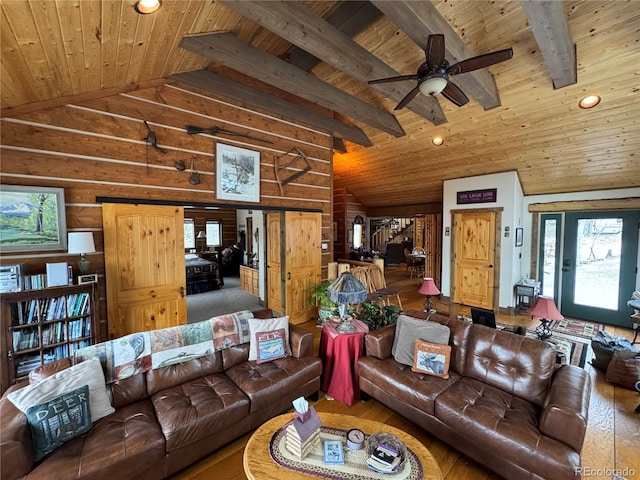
pixel 81 242
pixel 428 287
pixel 201 235
pixel 545 307
pixel 433 85
pixel 347 289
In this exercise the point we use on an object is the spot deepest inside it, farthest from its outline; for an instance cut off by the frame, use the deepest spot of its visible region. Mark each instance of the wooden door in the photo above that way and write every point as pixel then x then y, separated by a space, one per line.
pixel 144 266
pixel 302 262
pixel 474 259
pixel 274 262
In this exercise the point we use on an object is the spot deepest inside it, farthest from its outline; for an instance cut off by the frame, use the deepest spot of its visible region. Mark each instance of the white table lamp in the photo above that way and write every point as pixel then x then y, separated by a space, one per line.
pixel 82 243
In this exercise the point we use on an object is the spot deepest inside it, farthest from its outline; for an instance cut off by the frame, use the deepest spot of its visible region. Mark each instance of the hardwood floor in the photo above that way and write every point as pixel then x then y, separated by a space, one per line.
pixel 612 443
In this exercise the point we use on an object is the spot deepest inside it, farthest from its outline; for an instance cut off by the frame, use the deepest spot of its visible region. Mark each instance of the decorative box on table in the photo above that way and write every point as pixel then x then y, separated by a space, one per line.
pixel 303 433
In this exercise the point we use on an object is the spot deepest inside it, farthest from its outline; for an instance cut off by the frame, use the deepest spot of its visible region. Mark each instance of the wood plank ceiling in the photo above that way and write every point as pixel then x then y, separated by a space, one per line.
pixel 516 120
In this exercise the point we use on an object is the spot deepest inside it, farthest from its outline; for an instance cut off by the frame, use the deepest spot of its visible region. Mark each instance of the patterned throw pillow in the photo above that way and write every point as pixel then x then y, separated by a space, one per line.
pixel 259 325
pixel 59 420
pixel 271 345
pixel 431 359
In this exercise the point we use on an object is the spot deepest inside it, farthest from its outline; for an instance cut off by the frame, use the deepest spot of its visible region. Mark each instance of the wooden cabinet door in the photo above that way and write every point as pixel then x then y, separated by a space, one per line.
pixel 145 267
pixel 474 259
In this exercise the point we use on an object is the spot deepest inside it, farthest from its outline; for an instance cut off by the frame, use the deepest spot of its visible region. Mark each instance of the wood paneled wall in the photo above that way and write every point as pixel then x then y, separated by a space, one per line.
pixel 97 148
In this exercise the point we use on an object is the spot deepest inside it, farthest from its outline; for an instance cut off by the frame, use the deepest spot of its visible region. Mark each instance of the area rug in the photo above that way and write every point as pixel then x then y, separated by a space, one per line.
pixel 579 328
pixel 579 346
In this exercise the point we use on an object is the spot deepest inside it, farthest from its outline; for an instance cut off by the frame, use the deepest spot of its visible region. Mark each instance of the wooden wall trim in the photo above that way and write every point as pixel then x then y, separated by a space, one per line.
pixel 632 203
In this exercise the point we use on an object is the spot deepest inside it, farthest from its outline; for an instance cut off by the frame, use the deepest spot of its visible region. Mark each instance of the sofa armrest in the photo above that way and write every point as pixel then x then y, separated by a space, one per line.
pixel 566 407
pixel 379 343
pixel 301 341
pixel 16 448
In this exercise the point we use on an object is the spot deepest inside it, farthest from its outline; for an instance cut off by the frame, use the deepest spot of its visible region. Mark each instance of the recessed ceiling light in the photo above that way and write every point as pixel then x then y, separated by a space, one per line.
pixel 438 140
pixel 147 6
pixel 589 101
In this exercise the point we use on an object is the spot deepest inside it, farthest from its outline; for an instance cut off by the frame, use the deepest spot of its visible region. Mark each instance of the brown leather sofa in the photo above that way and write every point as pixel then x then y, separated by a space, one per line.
pixel 506 404
pixel 168 418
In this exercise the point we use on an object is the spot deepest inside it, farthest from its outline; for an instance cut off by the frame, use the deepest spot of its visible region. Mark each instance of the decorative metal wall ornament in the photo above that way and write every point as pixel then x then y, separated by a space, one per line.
pixel 151 138
pixel 303 167
pixel 193 130
pixel 194 179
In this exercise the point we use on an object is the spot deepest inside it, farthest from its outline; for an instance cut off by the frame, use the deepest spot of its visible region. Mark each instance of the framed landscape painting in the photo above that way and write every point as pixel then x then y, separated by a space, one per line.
pixel 32 219
pixel 237 174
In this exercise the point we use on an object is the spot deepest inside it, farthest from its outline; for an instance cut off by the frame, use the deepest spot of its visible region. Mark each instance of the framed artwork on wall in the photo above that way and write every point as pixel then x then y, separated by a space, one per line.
pixel 519 234
pixel 32 219
pixel 237 174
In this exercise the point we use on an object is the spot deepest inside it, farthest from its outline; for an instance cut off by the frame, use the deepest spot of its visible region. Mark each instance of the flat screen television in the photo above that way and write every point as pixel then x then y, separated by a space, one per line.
pixel 483 317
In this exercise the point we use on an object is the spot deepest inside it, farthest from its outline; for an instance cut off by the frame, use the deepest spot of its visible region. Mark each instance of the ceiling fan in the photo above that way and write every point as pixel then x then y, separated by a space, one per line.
pixel 433 74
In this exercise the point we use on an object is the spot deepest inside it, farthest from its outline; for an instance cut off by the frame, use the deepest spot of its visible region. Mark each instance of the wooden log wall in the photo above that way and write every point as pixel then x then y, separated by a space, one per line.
pixel 97 148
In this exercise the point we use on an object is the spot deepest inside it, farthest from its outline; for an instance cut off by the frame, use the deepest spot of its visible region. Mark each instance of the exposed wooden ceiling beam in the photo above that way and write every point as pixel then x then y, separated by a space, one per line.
pixel 421 19
pixel 247 96
pixel 226 49
pixel 300 26
pixel 549 23
pixel 350 18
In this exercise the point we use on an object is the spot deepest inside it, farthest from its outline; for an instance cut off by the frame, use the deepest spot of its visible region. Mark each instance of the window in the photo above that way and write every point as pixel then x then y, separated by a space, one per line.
pixel 189 233
pixel 214 233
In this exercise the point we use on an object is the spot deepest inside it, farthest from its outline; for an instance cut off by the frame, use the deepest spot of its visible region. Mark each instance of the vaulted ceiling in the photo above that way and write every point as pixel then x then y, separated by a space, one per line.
pixel 522 115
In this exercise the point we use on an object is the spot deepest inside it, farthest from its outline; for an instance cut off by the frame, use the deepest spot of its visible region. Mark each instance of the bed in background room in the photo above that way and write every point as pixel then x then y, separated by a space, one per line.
pixel 202 274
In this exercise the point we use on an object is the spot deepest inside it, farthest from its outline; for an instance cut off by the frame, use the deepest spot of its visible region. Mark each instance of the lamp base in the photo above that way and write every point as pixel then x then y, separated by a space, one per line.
pixel 346 327
pixel 83 264
pixel 543 330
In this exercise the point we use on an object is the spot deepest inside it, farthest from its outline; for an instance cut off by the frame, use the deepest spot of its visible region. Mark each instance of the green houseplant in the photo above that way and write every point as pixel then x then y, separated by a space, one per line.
pixel 320 297
pixel 376 316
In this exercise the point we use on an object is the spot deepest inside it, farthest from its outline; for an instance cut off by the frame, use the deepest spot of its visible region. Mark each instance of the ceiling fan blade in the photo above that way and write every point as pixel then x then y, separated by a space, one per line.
pixel 398 78
pixel 408 97
pixel 481 61
pixel 453 93
pixel 435 50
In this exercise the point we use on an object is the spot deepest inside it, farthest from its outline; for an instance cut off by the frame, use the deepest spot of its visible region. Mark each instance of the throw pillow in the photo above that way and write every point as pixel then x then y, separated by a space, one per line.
pixel 59 420
pixel 408 330
pixel 624 368
pixel 257 325
pixel 88 373
pixel 271 345
pixel 432 359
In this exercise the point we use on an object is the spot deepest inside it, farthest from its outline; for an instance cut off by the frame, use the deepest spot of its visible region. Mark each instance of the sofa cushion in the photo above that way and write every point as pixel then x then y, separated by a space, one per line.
pixel 431 359
pixel 85 373
pixel 408 330
pixel 59 420
pixel 397 380
pixel 172 375
pixel 261 382
pixel 192 410
pixel 271 345
pixel 127 444
pixel 515 364
pixel 259 325
pixel 503 424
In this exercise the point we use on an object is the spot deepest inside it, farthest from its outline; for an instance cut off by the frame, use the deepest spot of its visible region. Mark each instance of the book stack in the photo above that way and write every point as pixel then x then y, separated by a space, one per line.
pixel 384 459
pixel 302 437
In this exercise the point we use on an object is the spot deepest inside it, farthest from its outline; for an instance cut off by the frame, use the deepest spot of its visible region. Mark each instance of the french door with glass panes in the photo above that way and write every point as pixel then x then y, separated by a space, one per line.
pixel 588 263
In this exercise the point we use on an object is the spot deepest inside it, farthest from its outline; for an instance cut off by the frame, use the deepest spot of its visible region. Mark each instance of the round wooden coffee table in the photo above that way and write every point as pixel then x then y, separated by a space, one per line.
pixel 258 463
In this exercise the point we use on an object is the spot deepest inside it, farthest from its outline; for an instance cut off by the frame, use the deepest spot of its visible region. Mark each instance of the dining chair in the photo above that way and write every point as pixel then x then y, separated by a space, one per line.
pixel 414 266
pixel 382 292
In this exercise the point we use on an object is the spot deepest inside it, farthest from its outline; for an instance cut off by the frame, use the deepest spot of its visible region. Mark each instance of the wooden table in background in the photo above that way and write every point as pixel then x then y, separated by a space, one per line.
pixel 258 464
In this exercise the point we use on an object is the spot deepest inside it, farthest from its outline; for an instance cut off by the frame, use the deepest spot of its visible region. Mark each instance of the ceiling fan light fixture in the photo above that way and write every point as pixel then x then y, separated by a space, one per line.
pixel 589 101
pixel 433 85
pixel 437 140
pixel 147 6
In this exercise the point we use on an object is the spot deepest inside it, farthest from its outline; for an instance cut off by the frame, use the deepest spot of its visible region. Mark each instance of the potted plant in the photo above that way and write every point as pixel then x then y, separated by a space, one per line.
pixel 376 316
pixel 320 297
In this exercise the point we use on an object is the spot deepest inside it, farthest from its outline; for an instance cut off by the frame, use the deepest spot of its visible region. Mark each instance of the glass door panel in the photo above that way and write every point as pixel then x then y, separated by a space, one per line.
pixel 549 261
pixel 599 265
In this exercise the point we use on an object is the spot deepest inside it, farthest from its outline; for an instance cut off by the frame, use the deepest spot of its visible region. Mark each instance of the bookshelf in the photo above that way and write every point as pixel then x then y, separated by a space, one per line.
pixel 40 326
